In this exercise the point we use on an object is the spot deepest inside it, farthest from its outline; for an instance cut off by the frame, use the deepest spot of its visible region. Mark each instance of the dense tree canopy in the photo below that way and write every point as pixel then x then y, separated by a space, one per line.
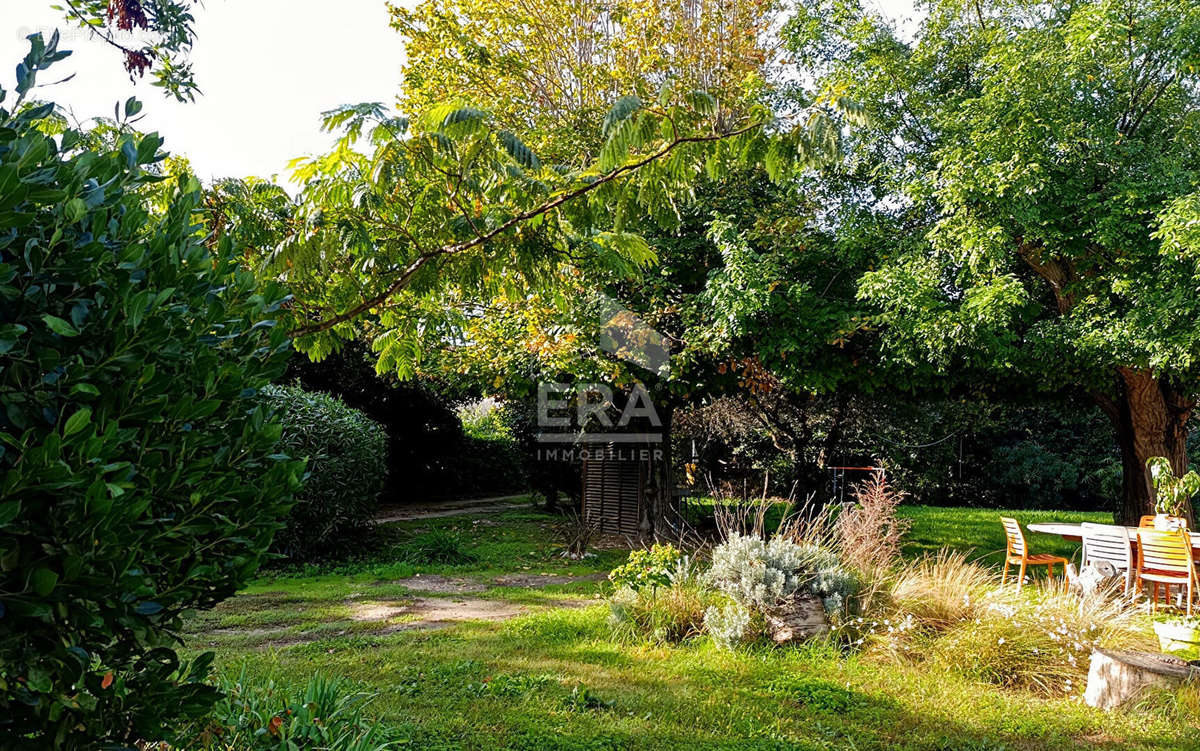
pixel 546 66
pixel 552 69
pixel 1038 162
pixel 451 210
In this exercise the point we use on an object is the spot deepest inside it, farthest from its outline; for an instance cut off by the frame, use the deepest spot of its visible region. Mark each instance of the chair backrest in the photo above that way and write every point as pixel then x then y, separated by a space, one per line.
pixel 1016 540
pixel 1146 521
pixel 1167 551
pixel 1105 542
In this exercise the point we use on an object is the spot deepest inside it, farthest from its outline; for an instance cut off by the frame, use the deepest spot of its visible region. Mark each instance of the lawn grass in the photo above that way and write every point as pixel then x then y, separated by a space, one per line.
pixel 555 679
pixel 978 531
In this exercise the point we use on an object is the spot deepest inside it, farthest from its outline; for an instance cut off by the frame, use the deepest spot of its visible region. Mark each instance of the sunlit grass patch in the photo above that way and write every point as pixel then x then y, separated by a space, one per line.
pixel 555 678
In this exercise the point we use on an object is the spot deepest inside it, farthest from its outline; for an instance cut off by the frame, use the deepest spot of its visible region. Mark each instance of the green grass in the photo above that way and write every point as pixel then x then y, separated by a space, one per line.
pixel 555 679
pixel 979 532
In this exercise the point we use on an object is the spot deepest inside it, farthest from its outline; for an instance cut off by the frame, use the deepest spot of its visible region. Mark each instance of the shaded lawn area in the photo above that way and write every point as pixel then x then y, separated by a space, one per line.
pixel 554 678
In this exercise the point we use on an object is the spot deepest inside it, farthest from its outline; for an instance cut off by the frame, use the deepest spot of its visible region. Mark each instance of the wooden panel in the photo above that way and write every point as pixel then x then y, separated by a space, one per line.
pixel 612 494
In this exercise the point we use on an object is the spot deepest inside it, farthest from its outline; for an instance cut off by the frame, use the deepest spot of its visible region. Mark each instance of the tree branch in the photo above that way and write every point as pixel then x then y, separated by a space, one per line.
pixel 420 261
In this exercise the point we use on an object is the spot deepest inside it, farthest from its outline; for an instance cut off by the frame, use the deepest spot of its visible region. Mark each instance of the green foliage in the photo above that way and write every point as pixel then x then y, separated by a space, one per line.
pixel 1172 493
pixel 484 420
pixel 449 211
pixel 648 567
pixel 583 699
pixel 670 611
pixel 255 715
pixel 148 35
pixel 347 465
pixel 817 695
pixel 553 69
pixel 1027 175
pixel 139 476
pixel 437 547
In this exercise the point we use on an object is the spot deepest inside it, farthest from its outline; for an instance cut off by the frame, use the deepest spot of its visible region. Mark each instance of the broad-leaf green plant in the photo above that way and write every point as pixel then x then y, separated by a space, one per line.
pixel 139 475
pixel 1171 492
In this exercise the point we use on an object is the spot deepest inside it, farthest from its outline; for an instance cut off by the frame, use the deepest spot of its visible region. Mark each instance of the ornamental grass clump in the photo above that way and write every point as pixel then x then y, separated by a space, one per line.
pixel 941 590
pixel 662 597
pixel 952 613
pixel 1043 644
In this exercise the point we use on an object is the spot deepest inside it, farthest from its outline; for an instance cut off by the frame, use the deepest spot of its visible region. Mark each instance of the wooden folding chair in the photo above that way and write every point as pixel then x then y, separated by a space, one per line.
pixel 1017 554
pixel 1165 558
pixel 1109 543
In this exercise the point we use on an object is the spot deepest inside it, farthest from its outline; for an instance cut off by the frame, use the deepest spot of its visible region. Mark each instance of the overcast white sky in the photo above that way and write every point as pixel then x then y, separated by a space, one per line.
pixel 267 69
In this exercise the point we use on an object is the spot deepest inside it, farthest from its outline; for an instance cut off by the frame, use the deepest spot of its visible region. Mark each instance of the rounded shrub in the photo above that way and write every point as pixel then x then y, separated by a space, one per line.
pixel 139 476
pixel 347 466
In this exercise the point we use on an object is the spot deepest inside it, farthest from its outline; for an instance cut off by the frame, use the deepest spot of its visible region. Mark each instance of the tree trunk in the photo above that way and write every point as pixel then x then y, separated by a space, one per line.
pixel 1150 418
pixel 659 517
pixel 799 619
pixel 1116 677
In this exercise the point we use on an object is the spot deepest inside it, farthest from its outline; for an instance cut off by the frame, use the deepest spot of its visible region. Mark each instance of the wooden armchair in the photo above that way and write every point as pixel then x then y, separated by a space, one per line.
pixel 1018 554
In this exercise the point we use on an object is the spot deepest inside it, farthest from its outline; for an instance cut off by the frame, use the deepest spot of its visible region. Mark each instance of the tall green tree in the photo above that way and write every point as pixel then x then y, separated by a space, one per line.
pixel 547 67
pixel 1038 164
pixel 550 69
pixel 451 209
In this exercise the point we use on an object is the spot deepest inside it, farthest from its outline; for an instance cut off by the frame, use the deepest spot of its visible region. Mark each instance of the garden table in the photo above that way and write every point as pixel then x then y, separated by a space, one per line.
pixel 1074 532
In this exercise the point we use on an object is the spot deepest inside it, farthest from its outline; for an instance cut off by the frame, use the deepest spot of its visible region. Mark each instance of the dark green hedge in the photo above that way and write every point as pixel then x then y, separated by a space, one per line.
pixel 347 465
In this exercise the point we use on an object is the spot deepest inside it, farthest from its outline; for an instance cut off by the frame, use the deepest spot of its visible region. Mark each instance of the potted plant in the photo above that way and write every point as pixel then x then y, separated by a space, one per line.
pixel 1171 492
pixel 1180 636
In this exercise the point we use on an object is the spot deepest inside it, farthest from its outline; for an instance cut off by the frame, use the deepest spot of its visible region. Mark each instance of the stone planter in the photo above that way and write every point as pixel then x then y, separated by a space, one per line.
pixel 1177 639
pixel 799 619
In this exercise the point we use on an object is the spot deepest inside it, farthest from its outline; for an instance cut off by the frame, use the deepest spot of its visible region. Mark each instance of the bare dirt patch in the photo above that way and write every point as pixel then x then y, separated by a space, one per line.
pixel 495 504
pixel 543 580
pixel 432 612
pixel 435 584
pixel 371 610
pixel 413 613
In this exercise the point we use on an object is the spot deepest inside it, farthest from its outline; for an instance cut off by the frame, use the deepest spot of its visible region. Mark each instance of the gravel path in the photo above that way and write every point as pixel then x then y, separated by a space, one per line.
pixel 398 513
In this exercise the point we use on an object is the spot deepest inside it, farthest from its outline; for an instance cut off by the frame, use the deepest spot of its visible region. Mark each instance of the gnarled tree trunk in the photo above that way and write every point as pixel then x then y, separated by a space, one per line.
pixel 1150 417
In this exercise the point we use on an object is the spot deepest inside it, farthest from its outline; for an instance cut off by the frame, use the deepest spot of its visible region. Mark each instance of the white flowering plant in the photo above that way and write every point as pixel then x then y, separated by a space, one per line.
pixel 727 624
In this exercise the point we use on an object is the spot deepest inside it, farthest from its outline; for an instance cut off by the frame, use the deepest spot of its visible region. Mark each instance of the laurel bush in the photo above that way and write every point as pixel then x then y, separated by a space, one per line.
pixel 139 475
pixel 347 466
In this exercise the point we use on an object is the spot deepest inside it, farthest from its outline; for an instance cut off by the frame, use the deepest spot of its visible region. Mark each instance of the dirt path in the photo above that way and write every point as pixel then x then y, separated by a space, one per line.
pixel 437 602
pixel 463 507
pixel 439 612
pixel 438 584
